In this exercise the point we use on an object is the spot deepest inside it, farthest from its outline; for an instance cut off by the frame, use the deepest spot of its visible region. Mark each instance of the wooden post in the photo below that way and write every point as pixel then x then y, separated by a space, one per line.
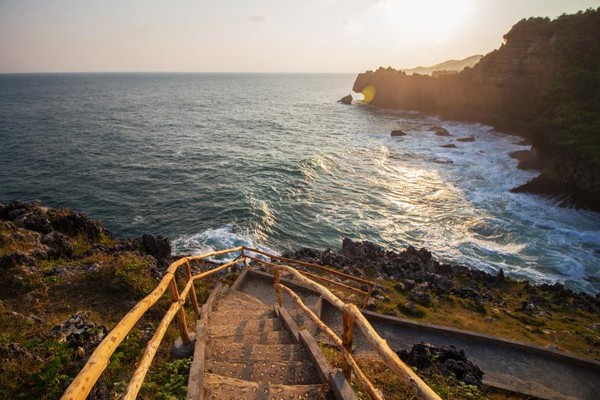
pixel 367 297
pixel 188 274
pixel 185 336
pixel 347 338
pixel 278 288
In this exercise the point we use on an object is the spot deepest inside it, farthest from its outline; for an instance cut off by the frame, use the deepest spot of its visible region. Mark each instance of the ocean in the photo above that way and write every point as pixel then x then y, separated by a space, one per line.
pixel 273 161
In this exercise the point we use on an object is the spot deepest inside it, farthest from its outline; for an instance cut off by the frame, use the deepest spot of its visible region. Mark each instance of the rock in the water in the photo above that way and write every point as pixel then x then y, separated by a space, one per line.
pixel 449 146
pixel 398 132
pixel 466 139
pixel 442 160
pixel 439 131
pixel 566 194
pixel 528 159
pixel 346 99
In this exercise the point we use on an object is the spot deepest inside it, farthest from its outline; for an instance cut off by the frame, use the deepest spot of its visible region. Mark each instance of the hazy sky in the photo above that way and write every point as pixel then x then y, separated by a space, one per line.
pixel 255 36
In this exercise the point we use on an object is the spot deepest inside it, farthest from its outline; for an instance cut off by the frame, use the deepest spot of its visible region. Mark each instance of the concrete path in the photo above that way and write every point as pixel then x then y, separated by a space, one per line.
pixel 507 365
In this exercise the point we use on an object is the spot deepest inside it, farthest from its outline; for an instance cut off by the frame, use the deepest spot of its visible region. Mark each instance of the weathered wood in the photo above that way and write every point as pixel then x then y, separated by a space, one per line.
pixel 311 265
pixel 181 320
pixel 207 255
pixel 278 288
pixel 214 270
pixel 98 361
pixel 347 338
pixel 239 281
pixel 332 282
pixel 212 297
pixel 367 297
pixel 341 387
pixel 196 376
pixel 320 324
pixel 391 359
pixel 289 322
pixel 153 344
pixel 348 359
pixel 316 356
pixel 151 347
pixel 188 274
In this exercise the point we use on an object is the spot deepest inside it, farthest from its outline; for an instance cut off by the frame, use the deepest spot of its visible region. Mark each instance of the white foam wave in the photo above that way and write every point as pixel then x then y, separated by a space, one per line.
pixel 221 238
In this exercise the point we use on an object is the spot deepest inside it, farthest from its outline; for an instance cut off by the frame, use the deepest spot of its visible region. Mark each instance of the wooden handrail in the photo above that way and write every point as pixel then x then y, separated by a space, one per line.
pixel 310 265
pixel 98 361
pixel 339 343
pixel 335 283
pixel 405 373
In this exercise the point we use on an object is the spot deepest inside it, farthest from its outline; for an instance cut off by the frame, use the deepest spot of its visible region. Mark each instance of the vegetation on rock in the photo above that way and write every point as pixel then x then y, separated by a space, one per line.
pixel 543 82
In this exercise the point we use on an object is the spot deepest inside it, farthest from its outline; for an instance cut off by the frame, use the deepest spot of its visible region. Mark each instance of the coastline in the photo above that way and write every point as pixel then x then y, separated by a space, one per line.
pixel 529 87
pixel 66 281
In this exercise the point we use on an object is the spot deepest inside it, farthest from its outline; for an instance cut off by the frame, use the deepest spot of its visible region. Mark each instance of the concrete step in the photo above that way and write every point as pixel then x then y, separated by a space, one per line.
pixel 220 387
pixel 225 350
pixel 236 297
pixel 274 337
pixel 288 372
pixel 226 317
pixel 247 326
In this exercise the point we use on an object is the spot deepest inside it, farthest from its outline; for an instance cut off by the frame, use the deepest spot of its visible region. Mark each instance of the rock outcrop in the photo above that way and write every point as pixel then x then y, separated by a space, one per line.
pixel 543 83
pixel 346 99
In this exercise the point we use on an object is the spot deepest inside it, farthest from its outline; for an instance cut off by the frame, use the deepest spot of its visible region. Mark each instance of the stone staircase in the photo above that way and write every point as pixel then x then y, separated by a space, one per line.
pixel 244 351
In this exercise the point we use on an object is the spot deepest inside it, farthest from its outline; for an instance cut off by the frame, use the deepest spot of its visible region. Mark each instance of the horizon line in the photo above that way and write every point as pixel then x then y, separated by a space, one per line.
pixel 169 72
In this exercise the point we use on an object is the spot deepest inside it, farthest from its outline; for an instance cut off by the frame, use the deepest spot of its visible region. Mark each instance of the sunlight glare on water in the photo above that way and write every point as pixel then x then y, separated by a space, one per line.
pixel 219 160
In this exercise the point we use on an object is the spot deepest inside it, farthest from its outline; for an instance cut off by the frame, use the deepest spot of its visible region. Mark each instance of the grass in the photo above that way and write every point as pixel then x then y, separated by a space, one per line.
pixel 392 387
pixel 556 327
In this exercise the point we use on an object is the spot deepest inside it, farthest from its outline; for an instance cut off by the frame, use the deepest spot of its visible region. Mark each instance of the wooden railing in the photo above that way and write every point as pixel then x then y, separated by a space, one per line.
pixel 99 360
pixel 351 317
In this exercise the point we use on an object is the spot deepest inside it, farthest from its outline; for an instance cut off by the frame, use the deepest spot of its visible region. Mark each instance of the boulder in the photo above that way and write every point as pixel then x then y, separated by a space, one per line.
pixel 13 260
pixel 346 99
pixel 447 359
pixel 439 131
pixel 59 245
pixel 466 139
pixel 79 333
pixel 157 246
pixel 398 132
pixel 442 160
pixel 528 159
pixel 33 220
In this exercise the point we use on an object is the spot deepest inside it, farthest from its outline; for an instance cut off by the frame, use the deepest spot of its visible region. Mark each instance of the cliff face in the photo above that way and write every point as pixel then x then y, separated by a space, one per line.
pixel 508 81
pixel 543 83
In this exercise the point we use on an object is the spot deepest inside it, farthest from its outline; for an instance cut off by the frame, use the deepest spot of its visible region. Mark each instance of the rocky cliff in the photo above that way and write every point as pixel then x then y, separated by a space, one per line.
pixel 542 83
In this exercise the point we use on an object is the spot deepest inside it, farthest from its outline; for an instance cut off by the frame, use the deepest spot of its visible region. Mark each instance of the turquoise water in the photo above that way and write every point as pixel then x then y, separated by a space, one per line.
pixel 215 160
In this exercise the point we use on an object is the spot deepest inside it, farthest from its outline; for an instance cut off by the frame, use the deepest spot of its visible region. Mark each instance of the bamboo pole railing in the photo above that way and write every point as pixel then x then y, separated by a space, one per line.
pixel 98 361
pixel 352 316
pixel 317 277
pixel 346 353
pixel 310 265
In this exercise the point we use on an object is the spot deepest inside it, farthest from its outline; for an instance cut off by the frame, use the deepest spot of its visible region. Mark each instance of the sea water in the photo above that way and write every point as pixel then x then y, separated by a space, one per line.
pixel 272 160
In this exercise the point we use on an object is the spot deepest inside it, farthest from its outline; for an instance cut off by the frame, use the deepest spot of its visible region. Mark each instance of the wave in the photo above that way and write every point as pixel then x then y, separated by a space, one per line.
pixel 214 239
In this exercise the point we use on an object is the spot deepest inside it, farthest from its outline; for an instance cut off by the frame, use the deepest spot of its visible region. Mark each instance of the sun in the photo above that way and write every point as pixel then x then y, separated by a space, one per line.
pixel 426 19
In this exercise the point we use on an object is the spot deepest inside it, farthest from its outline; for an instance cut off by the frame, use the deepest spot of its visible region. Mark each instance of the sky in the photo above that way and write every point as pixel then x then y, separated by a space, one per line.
pixel 255 36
